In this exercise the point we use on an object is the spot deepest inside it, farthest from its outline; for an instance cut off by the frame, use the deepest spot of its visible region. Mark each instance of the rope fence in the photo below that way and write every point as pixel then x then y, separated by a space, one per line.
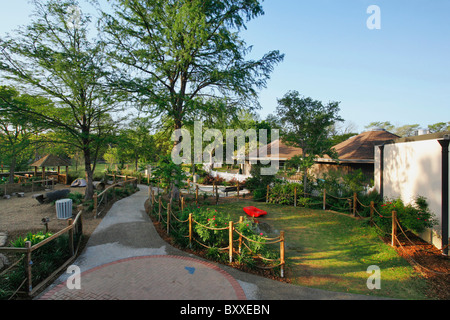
pixel 236 241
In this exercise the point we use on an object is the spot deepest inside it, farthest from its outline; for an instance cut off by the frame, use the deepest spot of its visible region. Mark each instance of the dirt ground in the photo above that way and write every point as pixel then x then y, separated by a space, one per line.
pixel 18 216
pixel 429 262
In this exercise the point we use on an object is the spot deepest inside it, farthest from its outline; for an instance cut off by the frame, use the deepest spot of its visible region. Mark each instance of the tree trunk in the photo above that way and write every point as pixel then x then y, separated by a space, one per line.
pixel 175 192
pixel 12 168
pixel 89 194
pixel 305 181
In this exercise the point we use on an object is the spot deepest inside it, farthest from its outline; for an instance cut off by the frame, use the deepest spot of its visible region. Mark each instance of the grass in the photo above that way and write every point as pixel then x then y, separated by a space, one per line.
pixel 332 251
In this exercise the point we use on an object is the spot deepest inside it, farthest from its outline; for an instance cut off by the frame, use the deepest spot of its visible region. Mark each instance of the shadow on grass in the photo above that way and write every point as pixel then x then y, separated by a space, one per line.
pixel 333 251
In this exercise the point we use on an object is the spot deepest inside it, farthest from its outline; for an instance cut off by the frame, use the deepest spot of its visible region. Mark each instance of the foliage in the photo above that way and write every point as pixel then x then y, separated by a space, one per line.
pixel 415 217
pixel 34 238
pixel 46 260
pixel 77 198
pixel 182 57
pixel 214 220
pixel 258 183
pixel 305 126
pixel 59 62
pixel 342 185
pixel 169 174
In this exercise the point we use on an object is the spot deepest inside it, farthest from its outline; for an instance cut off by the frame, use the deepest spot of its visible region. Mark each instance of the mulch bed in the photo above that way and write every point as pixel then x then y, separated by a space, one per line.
pixel 428 261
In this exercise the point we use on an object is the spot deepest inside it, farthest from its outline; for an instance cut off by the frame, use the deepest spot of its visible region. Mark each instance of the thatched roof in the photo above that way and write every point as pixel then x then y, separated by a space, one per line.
pixel 285 152
pixel 51 161
pixel 361 148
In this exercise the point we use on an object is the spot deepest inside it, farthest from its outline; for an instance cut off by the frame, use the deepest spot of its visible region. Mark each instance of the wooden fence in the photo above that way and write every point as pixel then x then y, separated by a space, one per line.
pixel 26 186
pixel 74 225
pixel 167 215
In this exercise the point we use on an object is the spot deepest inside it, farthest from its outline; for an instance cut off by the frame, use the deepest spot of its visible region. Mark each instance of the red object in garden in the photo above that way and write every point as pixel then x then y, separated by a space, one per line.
pixel 254 212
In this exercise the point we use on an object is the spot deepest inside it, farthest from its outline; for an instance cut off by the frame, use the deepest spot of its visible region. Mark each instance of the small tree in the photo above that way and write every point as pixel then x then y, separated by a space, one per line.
pixel 305 126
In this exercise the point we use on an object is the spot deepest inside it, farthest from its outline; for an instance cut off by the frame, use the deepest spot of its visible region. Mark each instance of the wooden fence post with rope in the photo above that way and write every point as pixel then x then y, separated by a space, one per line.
pixel 282 253
pixel 190 230
pixel 372 208
pixel 394 227
pixel 230 240
pixel 324 199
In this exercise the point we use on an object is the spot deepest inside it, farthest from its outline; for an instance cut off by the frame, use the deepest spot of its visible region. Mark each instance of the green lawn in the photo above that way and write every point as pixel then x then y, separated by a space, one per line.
pixel 332 251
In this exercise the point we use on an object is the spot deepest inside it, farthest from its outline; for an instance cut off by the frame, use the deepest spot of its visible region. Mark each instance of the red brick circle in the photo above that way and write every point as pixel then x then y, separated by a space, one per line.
pixel 152 278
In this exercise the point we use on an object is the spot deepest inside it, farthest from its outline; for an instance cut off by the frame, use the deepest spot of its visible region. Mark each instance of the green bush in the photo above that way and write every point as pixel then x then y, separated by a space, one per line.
pixel 46 260
pixel 415 217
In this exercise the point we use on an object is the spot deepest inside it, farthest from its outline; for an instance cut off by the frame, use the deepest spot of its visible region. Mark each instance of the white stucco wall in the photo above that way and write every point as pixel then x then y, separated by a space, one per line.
pixel 414 169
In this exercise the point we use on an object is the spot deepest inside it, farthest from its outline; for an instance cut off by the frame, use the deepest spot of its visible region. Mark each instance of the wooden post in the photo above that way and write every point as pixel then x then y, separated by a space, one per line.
pixel 182 204
pixel 168 217
pixel 71 246
pixel 237 186
pixel 28 265
pixel 230 240
pixel 355 199
pixel 394 227
pixel 324 200
pixel 190 230
pixel 295 196
pixel 95 204
pixel 372 207
pixel 282 253
pixel 241 220
pixel 159 209
pixel 267 194
pixel 217 196
pixel 196 194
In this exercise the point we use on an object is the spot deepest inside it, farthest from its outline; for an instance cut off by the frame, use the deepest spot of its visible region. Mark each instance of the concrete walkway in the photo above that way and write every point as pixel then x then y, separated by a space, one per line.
pixel 125 259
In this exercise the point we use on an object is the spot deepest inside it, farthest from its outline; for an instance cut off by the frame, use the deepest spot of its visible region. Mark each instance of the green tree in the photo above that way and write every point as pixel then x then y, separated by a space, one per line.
pixel 305 126
pixel 15 132
pixel 54 58
pixel 439 127
pixel 178 57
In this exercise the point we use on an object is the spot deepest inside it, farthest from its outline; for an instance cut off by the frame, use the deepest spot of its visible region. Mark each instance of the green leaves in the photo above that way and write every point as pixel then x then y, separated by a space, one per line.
pixel 180 55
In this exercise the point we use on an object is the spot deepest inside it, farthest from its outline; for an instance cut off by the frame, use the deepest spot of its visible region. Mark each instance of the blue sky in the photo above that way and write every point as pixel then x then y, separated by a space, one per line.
pixel 400 73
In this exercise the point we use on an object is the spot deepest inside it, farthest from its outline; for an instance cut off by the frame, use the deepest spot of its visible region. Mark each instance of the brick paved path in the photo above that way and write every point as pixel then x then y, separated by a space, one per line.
pixel 152 278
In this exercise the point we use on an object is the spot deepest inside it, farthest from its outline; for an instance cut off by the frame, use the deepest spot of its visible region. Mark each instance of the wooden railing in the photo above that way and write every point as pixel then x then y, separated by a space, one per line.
pixel 27 251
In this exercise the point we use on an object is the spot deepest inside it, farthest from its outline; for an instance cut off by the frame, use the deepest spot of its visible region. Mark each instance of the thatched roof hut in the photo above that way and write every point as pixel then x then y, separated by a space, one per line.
pixel 51 161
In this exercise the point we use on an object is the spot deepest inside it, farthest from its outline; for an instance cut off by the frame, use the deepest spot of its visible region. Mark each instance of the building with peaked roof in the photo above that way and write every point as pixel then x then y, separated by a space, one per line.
pixel 276 150
pixel 355 153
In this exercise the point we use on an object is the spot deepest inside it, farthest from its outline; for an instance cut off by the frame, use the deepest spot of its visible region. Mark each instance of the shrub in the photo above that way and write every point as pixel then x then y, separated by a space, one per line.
pixel 415 217
pixel 33 238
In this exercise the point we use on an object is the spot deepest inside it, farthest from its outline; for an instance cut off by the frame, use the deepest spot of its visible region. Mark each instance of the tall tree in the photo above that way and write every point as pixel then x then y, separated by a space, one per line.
pixel 177 57
pixel 54 58
pixel 181 56
pixel 306 122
